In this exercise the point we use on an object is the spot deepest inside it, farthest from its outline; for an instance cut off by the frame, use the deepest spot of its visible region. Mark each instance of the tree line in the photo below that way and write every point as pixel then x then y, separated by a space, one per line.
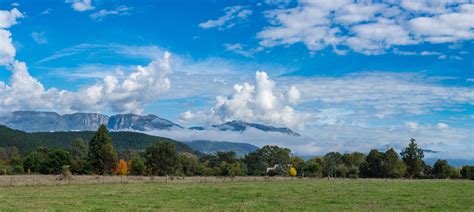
pixel 98 156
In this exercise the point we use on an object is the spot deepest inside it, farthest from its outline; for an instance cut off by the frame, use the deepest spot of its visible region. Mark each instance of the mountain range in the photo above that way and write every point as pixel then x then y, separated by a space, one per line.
pixel 38 121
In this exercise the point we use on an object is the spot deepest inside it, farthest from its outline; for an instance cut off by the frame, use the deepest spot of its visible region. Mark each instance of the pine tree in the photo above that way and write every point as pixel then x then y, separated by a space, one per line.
pixel 413 158
pixel 102 154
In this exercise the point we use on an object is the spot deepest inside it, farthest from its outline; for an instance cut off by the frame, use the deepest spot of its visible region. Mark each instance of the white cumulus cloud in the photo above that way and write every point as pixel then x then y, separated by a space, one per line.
pixel 254 103
pixel 128 94
pixel 7 50
pixel 9 18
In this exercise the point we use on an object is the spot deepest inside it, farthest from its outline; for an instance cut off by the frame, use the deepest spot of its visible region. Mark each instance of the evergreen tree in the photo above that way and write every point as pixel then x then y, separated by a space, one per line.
pixel 80 149
pixel 102 154
pixel 80 157
pixel 413 158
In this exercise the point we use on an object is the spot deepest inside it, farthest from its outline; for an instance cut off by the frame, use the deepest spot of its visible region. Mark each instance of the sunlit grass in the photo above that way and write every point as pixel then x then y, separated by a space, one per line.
pixel 275 195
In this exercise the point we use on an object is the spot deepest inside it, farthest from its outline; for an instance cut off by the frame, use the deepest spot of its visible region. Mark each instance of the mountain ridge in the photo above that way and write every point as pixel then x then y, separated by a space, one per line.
pixel 241 126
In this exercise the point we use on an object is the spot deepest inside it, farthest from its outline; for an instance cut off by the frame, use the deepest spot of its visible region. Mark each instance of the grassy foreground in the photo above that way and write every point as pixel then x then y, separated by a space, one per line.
pixel 275 195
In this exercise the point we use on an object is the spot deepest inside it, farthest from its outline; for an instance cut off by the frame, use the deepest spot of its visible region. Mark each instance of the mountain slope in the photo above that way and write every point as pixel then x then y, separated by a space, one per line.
pixel 26 142
pixel 210 147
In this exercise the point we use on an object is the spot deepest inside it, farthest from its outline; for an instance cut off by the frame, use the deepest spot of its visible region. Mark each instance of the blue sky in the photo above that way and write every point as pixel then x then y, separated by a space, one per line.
pixel 400 69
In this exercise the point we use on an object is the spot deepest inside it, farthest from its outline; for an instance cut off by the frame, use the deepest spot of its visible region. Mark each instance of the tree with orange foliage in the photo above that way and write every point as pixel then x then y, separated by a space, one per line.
pixel 122 169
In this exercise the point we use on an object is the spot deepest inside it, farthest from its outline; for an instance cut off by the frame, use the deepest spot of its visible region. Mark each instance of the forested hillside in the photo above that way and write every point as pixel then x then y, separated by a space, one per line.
pixel 26 142
pixel 212 147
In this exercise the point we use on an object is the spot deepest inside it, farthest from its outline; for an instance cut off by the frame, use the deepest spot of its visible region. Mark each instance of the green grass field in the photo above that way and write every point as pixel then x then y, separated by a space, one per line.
pixel 275 195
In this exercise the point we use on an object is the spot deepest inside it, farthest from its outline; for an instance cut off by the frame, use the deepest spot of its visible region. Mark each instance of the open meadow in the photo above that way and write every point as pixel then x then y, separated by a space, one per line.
pixel 255 193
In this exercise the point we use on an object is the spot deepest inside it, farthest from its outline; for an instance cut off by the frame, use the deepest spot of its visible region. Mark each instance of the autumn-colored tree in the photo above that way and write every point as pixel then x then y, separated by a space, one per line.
pixel 122 167
pixel 293 172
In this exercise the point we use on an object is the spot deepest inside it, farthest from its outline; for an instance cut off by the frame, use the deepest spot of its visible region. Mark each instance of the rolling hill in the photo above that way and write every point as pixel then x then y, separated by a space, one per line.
pixel 26 142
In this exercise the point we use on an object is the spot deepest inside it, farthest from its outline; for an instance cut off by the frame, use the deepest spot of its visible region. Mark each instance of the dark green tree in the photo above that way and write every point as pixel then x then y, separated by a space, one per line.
pixel 467 172
pixel 268 156
pixel 161 159
pixel 331 161
pixel 102 155
pixel 353 159
pixel 235 169
pixel 341 170
pixel 137 165
pixel 313 167
pixel 255 164
pixel 441 169
pixel 188 164
pixel 392 166
pixel 373 165
pixel 427 171
pixel 80 163
pixel 79 150
pixel 35 161
pixel 57 158
pixel 413 158
pixel 46 161
pixel 15 165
